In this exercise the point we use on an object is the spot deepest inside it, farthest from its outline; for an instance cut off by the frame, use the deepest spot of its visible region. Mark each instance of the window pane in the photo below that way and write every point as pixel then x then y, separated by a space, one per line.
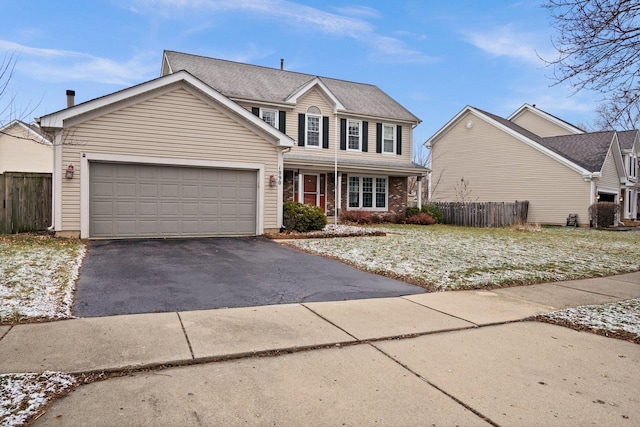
pixel 367 192
pixel 269 116
pixel 313 131
pixel 354 192
pixel 388 139
pixel 381 193
pixel 354 135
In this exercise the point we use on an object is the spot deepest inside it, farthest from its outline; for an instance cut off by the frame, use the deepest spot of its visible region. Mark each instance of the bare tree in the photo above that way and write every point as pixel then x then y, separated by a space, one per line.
pixel 598 43
pixel 9 111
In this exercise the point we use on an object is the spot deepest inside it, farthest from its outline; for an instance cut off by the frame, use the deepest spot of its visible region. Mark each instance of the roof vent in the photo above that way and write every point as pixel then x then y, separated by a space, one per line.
pixel 282 63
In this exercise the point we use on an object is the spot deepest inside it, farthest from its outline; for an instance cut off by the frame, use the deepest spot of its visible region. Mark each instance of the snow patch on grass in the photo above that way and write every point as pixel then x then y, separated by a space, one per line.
pixel 447 258
pixel 22 395
pixel 623 316
pixel 37 277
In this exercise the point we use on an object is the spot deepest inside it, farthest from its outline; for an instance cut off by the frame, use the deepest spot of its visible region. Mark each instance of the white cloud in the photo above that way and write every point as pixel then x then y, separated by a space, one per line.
pixel 348 22
pixel 504 41
pixel 63 65
pixel 356 10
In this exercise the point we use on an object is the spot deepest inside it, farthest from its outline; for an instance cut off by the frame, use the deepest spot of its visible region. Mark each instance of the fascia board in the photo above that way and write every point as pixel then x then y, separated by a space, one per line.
pixel 444 129
pixel 545 116
pixel 510 132
pixel 56 120
pixel 34 135
pixel 307 87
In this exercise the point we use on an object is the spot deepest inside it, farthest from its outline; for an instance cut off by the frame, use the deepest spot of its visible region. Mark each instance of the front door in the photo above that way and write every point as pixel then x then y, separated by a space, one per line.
pixel 313 189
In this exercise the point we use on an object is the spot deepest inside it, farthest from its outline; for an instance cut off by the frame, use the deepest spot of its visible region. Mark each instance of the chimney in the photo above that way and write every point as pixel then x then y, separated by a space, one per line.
pixel 282 63
pixel 71 94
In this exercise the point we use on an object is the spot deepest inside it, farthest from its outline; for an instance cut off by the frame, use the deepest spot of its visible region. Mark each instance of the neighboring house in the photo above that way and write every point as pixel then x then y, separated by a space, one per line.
pixel 24 148
pixel 213 148
pixel 534 156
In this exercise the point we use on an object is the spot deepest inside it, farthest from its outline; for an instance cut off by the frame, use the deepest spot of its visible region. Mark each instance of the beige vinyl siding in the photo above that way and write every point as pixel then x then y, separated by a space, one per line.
pixel 176 124
pixel 314 98
pixel 610 181
pixel 24 155
pixel 501 168
pixel 539 125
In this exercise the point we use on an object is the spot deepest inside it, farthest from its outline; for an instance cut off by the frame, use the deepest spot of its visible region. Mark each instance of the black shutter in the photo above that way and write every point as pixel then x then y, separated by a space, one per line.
pixel 343 134
pixel 325 132
pixel 378 137
pixel 282 121
pixel 301 129
pixel 255 111
pixel 365 137
pixel 399 140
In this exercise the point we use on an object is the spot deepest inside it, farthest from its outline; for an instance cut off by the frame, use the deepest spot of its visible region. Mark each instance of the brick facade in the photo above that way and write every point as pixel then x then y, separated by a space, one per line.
pixel 397 192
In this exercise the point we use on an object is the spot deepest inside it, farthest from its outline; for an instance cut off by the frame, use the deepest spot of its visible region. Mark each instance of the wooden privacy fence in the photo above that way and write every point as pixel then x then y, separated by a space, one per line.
pixel 487 214
pixel 26 202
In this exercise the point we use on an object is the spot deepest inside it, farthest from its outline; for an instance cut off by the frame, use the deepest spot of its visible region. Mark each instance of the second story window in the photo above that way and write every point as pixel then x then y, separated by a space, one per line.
pixel 354 136
pixel 314 127
pixel 270 116
pixel 389 139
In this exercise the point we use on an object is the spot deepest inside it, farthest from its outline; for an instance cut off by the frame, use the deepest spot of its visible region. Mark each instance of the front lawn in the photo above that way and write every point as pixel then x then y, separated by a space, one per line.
pixel 441 257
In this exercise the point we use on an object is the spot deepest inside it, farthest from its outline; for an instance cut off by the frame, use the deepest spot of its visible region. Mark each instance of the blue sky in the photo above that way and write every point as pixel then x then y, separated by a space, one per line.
pixel 434 57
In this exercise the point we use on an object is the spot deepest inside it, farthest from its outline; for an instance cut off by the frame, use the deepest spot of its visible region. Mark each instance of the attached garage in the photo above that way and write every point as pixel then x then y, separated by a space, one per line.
pixel 167 158
pixel 138 200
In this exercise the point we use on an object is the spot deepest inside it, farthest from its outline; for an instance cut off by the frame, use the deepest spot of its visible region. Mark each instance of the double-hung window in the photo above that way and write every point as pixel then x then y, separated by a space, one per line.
pixel 270 116
pixel 367 192
pixel 314 127
pixel 388 139
pixel 354 135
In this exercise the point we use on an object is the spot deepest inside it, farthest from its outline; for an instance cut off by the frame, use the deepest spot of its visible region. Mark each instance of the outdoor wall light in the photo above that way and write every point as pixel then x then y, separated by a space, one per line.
pixel 272 180
pixel 69 172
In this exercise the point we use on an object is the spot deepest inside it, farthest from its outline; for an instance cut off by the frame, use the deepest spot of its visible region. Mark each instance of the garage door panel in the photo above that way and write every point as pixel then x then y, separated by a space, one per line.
pixel 128 200
pixel 148 190
pixel 190 191
pixel 126 208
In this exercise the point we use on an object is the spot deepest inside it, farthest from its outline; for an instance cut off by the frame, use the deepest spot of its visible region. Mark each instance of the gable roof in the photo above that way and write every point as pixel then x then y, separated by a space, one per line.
pixel 584 152
pixel 271 85
pixel 57 119
pixel 32 131
pixel 549 117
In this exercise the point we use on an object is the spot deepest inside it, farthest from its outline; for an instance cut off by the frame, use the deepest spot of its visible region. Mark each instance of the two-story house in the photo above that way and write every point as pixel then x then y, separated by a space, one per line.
pixel 535 156
pixel 214 147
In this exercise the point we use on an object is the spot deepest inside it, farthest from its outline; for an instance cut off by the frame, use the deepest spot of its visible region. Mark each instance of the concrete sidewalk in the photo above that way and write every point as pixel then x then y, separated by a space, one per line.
pixel 449 358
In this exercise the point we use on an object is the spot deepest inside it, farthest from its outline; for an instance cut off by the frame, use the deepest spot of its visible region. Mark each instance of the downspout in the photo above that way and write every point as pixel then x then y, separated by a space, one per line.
pixel 336 194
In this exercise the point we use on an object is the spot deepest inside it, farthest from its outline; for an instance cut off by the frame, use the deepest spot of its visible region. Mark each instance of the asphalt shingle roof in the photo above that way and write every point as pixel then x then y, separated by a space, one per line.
pixel 626 138
pixel 588 150
pixel 252 82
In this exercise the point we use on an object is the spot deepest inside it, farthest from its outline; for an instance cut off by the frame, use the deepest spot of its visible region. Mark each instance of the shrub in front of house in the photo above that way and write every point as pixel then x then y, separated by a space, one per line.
pixel 412 210
pixel 301 217
pixel 421 218
pixel 356 217
pixel 603 214
pixel 434 211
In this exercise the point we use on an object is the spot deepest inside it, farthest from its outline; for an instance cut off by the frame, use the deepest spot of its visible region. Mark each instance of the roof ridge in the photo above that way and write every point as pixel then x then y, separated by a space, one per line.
pixel 312 76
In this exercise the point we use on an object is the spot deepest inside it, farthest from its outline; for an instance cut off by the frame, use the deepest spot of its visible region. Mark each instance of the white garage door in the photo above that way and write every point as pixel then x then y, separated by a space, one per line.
pixel 133 200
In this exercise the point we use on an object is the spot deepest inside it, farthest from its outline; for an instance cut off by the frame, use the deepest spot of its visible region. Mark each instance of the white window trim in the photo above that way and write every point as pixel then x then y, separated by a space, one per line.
pixel 271 110
pixel 306 130
pixel 395 138
pixel 359 149
pixel 373 208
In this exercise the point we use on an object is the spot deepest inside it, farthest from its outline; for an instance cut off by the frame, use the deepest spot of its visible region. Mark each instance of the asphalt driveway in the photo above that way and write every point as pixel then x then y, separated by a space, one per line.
pixel 162 275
